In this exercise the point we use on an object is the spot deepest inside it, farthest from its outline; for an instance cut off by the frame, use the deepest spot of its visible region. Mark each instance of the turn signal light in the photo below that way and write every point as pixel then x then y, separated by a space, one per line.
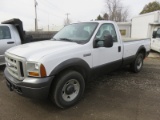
pixel 43 71
pixel 36 74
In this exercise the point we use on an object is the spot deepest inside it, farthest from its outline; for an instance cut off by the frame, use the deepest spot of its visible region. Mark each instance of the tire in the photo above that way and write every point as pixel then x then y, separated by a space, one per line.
pixel 68 89
pixel 137 65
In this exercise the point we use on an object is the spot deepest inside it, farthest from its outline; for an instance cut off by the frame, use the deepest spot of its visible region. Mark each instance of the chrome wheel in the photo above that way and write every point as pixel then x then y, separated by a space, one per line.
pixel 70 90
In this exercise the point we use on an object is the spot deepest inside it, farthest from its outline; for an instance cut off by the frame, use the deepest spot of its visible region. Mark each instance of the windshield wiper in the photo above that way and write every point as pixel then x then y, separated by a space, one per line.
pixel 66 39
pixel 53 39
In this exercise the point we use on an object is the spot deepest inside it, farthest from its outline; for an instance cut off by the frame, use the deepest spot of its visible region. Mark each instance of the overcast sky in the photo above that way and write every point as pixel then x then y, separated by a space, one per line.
pixel 53 12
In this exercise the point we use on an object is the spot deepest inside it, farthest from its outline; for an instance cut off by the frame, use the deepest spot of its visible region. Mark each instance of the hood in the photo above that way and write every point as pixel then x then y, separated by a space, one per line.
pixel 36 50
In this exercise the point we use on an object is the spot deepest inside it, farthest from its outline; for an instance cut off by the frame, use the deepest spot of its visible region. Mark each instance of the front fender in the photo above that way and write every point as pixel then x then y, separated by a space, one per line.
pixel 74 62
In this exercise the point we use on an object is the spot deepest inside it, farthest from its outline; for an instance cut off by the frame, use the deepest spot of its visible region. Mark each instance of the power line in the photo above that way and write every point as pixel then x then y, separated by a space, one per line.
pixel 50 5
pixel 57 17
pixel 45 11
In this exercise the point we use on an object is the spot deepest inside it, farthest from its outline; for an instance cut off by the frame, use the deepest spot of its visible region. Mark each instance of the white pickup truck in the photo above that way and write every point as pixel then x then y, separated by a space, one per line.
pixel 60 68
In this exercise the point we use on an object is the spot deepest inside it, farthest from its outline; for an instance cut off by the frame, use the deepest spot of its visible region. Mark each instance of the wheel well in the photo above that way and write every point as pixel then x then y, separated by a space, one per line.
pixel 79 69
pixel 143 51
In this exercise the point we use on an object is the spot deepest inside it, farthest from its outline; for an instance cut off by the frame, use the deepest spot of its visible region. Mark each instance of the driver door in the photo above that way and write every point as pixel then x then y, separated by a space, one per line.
pixel 105 58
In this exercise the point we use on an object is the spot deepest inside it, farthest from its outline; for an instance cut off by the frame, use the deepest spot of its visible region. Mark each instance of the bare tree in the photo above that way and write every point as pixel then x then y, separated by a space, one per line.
pixel 116 11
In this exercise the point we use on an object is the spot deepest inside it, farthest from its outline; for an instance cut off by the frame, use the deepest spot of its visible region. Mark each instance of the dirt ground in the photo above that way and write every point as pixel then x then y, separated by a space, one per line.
pixel 121 95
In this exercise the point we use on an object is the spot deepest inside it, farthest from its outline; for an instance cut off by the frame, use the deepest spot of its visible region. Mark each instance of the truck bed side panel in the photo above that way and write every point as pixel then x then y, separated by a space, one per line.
pixel 131 48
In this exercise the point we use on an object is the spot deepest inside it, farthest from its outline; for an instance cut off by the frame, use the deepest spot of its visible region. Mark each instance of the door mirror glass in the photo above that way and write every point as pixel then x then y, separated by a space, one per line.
pixel 99 43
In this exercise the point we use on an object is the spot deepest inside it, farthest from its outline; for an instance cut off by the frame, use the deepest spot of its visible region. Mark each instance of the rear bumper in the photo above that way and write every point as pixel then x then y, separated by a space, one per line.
pixel 30 87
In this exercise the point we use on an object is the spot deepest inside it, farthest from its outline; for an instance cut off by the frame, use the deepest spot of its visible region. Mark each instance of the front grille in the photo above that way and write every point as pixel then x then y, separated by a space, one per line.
pixel 15 66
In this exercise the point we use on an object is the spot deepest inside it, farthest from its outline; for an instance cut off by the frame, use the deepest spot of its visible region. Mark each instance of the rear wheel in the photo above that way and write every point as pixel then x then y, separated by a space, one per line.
pixel 68 89
pixel 137 65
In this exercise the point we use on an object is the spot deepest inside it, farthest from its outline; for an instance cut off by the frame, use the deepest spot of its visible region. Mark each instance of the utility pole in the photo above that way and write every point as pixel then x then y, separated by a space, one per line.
pixel 36 23
pixel 48 22
pixel 67 18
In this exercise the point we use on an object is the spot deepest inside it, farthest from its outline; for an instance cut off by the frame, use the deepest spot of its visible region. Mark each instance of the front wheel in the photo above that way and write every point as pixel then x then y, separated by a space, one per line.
pixel 68 89
pixel 137 65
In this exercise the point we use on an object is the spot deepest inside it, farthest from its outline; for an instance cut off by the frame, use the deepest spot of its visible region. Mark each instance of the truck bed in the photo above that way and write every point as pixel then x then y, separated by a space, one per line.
pixel 131 46
pixel 133 39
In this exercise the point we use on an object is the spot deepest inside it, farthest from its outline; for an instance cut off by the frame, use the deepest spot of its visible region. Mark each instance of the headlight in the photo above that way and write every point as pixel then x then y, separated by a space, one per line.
pixel 35 69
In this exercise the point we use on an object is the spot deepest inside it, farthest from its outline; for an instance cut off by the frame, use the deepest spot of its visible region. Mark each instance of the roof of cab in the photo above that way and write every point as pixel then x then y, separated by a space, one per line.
pixel 98 21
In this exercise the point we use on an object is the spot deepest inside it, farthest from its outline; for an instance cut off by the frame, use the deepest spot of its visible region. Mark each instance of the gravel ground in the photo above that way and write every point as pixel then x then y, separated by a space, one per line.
pixel 121 95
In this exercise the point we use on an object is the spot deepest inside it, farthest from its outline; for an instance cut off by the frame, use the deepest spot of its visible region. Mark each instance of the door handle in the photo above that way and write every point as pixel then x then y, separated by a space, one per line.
pixel 10 42
pixel 119 48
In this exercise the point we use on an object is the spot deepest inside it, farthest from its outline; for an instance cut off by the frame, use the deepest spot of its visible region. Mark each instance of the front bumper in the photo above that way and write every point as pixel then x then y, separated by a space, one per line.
pixel 30 87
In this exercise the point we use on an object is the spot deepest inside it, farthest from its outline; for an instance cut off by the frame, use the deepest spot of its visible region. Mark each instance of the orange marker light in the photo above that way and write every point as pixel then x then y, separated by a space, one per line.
pixel 43 71
pixel 36 74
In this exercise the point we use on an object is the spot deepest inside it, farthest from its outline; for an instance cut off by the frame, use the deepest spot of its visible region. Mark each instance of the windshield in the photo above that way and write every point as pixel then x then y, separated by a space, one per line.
pixel 79 32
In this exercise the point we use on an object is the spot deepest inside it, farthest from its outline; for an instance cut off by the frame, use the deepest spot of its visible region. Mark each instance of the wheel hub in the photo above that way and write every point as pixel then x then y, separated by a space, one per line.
pixel 139 62
pixel 70 89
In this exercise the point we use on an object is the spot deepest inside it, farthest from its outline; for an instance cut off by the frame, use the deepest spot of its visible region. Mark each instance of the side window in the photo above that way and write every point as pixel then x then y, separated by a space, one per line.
pixel 158 33
pixel 106 29
pixel 4 33
pixel 123 32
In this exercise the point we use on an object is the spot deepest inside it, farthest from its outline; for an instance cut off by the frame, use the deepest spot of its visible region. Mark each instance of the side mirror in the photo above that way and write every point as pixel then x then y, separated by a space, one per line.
pixel 108 42
pixel 154 34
